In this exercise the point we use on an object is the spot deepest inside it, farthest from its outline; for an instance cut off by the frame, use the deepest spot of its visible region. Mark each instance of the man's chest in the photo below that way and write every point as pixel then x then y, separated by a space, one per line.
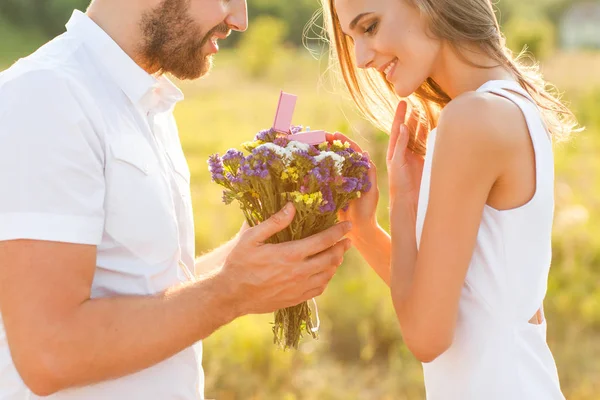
pixel 147 179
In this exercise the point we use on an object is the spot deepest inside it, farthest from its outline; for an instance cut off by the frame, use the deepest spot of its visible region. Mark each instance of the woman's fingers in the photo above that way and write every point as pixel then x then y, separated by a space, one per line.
pixel 399 155
pixel 396 127
pixel 400 116
pixel 392 144
pixel 372 174
pixel 353 145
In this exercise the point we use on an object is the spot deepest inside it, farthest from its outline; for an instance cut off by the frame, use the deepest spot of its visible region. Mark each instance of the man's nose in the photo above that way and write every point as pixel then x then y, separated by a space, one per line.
pixel 237 19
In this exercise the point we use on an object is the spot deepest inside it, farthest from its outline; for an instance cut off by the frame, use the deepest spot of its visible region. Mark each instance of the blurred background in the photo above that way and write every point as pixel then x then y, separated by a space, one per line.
pixel 360 353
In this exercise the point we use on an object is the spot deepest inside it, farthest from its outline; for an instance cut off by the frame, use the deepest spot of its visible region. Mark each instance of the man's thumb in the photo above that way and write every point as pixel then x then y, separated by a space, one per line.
pixel 276 223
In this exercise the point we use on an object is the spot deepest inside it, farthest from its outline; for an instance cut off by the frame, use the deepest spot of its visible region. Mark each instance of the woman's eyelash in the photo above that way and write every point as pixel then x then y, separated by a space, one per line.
pixel 371 29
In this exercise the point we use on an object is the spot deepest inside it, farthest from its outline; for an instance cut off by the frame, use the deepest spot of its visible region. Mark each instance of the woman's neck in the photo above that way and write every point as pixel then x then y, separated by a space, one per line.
pixel 455 75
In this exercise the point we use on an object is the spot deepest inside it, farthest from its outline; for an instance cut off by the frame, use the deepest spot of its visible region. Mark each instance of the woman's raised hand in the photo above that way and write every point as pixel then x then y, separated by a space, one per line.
pixel 405 168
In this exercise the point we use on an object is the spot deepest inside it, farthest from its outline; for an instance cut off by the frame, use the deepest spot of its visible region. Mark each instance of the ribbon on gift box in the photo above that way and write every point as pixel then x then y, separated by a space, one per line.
pixel 283 121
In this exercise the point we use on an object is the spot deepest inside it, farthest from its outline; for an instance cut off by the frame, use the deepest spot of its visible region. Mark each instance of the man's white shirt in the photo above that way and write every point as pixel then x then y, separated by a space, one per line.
pixel 90 154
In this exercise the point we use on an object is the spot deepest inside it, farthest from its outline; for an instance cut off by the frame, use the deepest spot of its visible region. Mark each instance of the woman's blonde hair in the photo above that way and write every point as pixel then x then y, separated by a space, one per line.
pixel 458 22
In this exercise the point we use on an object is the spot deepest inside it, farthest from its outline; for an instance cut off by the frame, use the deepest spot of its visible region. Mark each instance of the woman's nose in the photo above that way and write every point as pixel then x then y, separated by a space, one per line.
pixel 364 56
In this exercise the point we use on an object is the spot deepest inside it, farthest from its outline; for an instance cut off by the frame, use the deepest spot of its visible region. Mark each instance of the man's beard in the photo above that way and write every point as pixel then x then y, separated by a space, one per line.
pixel 173 42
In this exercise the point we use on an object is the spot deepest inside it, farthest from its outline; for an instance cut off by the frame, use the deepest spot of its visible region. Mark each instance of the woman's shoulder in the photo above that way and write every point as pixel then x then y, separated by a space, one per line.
pixel 483 120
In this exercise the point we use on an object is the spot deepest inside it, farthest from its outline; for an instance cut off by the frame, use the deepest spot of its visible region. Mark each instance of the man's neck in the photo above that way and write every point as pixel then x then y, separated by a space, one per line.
pixel 121 23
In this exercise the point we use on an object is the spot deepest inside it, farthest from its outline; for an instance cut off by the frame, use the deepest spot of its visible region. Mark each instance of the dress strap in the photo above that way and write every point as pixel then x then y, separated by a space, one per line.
pixel 513 91
pixel 542 143
pixel 512 86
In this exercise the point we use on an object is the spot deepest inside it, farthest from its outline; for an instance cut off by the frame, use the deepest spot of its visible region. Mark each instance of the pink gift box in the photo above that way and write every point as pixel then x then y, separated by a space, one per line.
pixel 283 121
pixel 310 137
pixel 284 113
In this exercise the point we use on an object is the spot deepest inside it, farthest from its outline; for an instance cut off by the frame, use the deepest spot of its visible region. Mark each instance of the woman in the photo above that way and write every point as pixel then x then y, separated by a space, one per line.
pixel 471 223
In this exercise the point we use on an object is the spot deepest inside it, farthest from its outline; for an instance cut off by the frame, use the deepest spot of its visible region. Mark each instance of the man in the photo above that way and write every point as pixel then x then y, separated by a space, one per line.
pixel 96 219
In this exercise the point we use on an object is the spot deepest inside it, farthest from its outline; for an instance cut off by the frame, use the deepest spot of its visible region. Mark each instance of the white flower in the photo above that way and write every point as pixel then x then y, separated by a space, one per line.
pixel 339 160
pixel 282 152
pixel 297 146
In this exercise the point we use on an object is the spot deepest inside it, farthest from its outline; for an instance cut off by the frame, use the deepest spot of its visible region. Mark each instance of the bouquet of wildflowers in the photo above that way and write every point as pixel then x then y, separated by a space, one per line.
pixel 320 179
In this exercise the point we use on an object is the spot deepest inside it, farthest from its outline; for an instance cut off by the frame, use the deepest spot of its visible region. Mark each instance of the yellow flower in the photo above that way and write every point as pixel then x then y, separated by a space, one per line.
pixel 309 199
pixel 323 146
pixel 338 143
pixel 314 198
pixel 297 196
pixel 290 173
pixel 249 146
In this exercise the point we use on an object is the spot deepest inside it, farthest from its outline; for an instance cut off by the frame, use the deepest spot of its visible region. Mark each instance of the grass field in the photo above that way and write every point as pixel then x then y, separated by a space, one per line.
pixel 360 353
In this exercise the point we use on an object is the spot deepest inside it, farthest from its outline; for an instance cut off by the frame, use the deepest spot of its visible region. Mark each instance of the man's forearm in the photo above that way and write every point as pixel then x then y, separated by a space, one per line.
pixel 112 337
pixel 213 260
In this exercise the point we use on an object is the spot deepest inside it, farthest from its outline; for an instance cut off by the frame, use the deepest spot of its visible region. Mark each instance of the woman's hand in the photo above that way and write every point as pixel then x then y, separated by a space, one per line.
pixel 361 212
pixel 405 168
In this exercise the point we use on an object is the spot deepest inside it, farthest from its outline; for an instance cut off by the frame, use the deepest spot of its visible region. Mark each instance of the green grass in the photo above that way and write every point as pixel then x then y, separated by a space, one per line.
pixel 360 353
pixel 15 43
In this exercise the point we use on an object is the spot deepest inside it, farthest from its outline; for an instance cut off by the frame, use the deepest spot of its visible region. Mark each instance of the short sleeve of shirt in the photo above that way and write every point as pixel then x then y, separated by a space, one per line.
pixel 51 163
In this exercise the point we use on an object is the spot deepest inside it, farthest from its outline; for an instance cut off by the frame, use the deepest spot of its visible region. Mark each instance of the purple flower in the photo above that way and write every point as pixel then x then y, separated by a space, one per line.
pixel 349 184
pixel 281 141
pixel 257 163
pixel 263 173
pixel 366 186
pixel 215 166
pixel 343 153
pixel 316 173
pixel 304 154
pixel 233 155
pixel 263 156
pixel 246 169
pixel 328 202
pixel 234 179
pixel 313 151
pixel 266 135
pixel 296 129
pixel 363 162
pixel 327 169
pixel 356 166
pixel 303 161
pixel 232 159
pixel 227 197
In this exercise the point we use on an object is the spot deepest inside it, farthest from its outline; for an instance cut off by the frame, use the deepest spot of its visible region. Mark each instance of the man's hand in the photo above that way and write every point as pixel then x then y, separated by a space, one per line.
pixel 266 277
pixel 214 260
pixel 61 338
pixel 56 332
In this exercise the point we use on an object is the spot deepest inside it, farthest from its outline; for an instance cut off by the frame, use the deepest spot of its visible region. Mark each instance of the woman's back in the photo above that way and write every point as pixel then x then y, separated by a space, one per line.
pixel 497 353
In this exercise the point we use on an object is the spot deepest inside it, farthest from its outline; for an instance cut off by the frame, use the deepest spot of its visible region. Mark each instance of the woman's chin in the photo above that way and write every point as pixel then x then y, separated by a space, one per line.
pixel 405 89
pixel 401 90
